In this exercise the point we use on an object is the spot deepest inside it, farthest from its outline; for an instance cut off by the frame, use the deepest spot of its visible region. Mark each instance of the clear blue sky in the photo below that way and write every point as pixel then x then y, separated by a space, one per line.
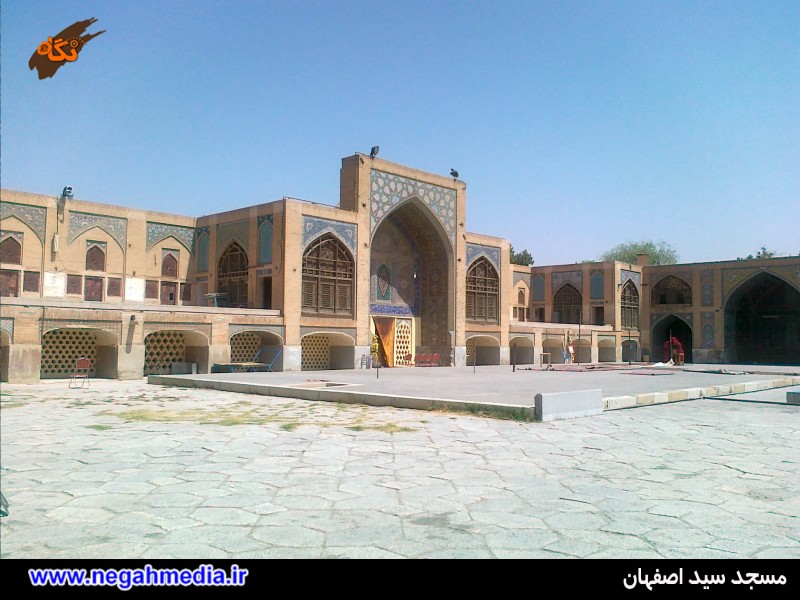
pixel 576 124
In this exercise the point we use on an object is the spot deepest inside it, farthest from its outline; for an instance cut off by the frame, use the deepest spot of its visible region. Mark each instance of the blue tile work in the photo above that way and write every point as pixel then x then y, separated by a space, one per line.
pixel 313 227
pixel 116 227
pixel 625 275
pixel 574 277
pixel 490 252
pixel 707 329
pixel 387 191
pixel 526 277
pixel 238 231
pixel 265 239
pixel 34 217
pixel 157 232
pixel 392 310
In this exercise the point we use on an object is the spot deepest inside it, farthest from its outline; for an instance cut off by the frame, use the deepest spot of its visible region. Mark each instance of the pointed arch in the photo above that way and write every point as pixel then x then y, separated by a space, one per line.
pixel 328 277
pixel 483 291
pixel 95 258
pixel 630 306
pixel 233 274
pixel 567 303
pixel 11 251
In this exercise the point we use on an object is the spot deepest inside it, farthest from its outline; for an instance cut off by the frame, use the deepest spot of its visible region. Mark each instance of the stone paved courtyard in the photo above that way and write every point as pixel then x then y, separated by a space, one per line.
pixel 130 470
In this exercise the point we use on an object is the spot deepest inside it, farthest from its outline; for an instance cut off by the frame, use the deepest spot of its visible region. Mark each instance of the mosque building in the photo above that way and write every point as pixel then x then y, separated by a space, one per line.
pixel 390 272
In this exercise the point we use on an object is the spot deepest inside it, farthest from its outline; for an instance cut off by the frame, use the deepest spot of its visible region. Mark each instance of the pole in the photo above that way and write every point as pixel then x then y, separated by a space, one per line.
pixel 513 358
pixel 670 345
pixel 577 347
pixel 629 346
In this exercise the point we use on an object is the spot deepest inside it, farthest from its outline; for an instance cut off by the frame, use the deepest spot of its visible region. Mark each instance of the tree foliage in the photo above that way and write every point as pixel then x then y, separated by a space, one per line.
pixel 763 253
pixel 660 253
pixel 521 258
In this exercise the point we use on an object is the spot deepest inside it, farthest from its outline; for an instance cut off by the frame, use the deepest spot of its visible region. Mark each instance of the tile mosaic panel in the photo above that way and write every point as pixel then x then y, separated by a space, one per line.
pixel 157 232
pixel 491 253
pixel 707 329
pixel 562 277
pixel 526 277
pixel 625 275
pixel 34 217
pixel 387 191
pixel 313 227
pixel 116 227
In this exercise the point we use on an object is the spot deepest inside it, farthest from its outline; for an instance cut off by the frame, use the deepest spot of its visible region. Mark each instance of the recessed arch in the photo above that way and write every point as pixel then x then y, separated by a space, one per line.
pixel 256 345
pixel 522 350
pixel 323 350
pixel 567 304
pixel 670 324
pixel 483 291
pixel 328 283
pixel 233 275
pixel 762 321
pixel 11 251
pixel 482 349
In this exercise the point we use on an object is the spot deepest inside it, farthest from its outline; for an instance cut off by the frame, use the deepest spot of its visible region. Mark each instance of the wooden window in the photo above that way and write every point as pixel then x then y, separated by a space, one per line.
pixel 567 304
pixel 483 289
pixel 30 281
pixel 93 289
pixel 630 306
pixel 11 251
pixel 151 289
pixel 114 287
pixel 671 290
pixel 232 275
pixel 186 292
pixel 95 259
pixel 169 264
pixel 9 283
pixel 74 284
pixel 328 278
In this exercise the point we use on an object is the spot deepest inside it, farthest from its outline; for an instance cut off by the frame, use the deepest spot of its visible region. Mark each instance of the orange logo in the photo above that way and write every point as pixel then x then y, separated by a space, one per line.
pixel 61 48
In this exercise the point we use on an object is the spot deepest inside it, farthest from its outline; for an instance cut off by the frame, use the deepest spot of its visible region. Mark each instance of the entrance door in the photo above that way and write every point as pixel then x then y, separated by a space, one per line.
pixel 169 291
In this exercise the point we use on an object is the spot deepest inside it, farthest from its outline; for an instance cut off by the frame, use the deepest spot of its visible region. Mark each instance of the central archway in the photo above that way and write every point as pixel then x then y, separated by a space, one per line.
pixel 411 275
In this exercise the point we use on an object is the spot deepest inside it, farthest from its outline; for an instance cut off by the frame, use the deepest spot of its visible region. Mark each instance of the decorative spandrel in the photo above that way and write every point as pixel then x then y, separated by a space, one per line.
pixel 34 217
pixel 313 227
pixel 387 191
pixel 80 222
pixel 491 253
pixel 157 232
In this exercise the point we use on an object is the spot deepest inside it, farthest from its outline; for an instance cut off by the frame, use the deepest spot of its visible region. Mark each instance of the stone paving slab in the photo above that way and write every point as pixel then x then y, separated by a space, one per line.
pixel 131 470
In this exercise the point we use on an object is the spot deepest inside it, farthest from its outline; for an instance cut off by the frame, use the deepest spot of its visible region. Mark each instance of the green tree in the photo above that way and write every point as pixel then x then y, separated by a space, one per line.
pixel 521 258
pixel 763 253
pixel 660 253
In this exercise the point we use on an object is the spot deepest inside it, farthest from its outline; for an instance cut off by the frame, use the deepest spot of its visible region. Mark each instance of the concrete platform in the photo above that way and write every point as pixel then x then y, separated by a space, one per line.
pixel 497 388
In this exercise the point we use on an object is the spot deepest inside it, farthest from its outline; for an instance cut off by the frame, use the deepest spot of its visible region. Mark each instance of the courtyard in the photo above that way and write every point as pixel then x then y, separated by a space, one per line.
pixel 129 470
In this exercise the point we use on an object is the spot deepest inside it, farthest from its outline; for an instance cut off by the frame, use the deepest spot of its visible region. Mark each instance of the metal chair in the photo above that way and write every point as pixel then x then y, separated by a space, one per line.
pixel 81 372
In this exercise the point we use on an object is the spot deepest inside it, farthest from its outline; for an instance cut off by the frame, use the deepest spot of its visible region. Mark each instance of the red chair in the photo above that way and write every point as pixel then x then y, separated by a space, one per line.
pixel 421 360
pixel 81 372
pixel 435 360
